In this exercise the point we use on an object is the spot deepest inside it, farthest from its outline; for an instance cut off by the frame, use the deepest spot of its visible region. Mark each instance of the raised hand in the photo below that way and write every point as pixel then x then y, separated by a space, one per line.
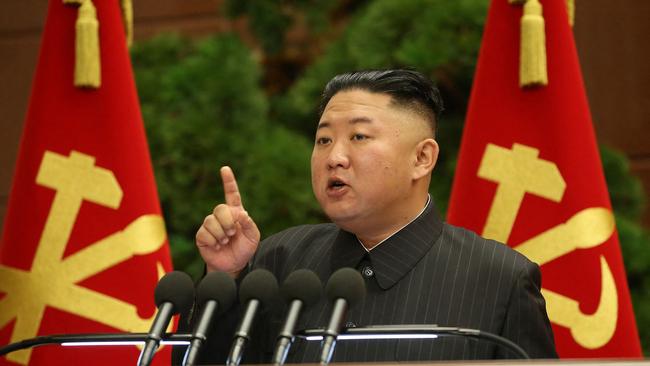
pixel 228 237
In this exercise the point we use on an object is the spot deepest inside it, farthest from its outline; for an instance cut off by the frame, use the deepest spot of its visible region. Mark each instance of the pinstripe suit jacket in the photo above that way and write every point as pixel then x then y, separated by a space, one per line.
pixel 430 272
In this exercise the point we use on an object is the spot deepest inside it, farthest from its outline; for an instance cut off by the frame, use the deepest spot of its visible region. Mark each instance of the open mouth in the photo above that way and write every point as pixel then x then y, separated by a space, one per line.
pixel 335 184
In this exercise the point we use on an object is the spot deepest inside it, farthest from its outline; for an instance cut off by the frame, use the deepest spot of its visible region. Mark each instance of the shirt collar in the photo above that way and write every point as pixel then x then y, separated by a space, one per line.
pixel 397 254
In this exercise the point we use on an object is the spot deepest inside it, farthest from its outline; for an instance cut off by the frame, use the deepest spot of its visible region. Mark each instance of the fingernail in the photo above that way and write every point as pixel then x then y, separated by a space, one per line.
pixel 230 232
pixel 224 241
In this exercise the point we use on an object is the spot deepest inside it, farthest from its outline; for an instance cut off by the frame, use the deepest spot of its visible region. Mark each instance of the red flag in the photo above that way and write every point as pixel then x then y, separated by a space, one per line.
pixel 84 241
pixel 529 174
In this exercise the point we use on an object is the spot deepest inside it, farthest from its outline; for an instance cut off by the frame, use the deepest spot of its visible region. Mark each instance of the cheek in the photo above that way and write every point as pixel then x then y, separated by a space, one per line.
pixel 314 175
pixel 391 171
pixel 379 169
pixel 314 161
pixel 382 160
pixel 316 172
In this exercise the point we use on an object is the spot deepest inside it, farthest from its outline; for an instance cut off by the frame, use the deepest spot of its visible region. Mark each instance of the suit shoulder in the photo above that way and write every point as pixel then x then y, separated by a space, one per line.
pixel 490 252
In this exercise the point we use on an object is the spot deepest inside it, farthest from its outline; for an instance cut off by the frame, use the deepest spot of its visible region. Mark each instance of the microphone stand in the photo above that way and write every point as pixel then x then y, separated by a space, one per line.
pixel 105 339
pixel 413 331
pixel 286 334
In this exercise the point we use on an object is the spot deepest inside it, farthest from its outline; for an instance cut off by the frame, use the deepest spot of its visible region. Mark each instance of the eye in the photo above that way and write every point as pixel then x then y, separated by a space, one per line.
pixel 323 140
pixel 359 137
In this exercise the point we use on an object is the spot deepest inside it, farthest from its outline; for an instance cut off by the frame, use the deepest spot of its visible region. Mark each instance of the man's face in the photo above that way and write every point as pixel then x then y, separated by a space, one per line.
pixel 363 160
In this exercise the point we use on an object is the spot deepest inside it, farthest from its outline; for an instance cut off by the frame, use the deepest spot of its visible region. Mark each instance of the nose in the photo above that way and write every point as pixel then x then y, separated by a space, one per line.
pixel 338 157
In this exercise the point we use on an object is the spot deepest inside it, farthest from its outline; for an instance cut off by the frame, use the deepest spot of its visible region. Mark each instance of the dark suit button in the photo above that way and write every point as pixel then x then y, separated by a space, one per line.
pixel 367 271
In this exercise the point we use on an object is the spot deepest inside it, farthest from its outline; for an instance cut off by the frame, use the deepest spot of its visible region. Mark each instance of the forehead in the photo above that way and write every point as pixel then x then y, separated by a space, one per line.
pixel 356 101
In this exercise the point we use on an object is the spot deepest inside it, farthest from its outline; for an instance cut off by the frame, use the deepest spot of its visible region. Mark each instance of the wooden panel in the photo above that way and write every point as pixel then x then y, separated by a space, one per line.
pixel 22 16
pixel 18 64
pixel 613 44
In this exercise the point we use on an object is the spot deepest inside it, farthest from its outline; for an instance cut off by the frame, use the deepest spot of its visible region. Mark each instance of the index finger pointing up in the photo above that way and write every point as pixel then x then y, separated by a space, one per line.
pixel 230 190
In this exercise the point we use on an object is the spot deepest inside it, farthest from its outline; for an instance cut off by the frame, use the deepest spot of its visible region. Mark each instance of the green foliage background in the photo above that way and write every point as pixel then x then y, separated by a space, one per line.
pixel 204 106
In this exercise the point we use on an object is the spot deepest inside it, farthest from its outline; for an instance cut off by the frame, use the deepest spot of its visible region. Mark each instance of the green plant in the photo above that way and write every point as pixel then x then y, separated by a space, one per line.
pixel 203 108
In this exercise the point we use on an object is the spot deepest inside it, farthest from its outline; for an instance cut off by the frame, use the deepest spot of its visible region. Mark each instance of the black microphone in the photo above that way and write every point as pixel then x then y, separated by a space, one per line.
pixel 345 288
pixel 215 294
pixel 301 289
pixel 174 294
pixel 258 289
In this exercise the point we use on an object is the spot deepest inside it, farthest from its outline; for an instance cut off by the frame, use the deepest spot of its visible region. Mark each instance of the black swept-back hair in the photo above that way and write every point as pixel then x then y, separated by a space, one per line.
pixel 407 88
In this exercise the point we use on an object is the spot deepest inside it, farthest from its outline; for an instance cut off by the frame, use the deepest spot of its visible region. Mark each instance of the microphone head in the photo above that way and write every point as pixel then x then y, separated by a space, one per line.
pixel 177 288
pixel 302 285
pixel 218 286
pixel 260 284
pixel 346 283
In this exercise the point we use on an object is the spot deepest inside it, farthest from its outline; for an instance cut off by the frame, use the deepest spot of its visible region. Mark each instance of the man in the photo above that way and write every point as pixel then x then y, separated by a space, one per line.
pixel 373 156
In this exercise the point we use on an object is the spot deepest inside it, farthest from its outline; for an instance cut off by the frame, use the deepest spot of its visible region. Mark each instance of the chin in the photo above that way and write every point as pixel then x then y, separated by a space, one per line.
pixel 342 218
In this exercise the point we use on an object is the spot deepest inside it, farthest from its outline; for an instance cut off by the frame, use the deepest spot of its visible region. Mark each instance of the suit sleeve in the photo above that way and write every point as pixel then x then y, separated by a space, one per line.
pixel 527 322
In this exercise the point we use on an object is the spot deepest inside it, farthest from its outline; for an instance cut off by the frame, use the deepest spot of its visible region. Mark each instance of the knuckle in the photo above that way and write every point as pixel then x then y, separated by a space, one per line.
pixel 224 215
pixel 211 224
pixel 203 237
pixel 215 228
pixel 219 208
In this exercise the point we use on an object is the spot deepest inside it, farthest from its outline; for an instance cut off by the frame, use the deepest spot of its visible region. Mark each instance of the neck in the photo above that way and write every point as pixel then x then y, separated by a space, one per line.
pixel 371 238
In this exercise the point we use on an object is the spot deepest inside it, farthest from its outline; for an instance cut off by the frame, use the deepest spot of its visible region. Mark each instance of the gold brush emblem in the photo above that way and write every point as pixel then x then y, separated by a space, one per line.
pixel 52 281
pixel 520 171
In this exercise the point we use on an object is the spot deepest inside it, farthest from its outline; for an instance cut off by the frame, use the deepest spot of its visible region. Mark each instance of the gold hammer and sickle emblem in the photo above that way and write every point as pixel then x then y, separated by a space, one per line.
pixel 52 280
pixel 520 171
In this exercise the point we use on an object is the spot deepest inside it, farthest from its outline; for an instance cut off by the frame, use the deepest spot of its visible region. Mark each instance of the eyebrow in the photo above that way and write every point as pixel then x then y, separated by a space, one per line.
pixel 352 121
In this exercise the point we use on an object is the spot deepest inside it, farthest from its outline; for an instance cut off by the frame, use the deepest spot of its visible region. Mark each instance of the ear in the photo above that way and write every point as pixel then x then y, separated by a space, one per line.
pixel 426 156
